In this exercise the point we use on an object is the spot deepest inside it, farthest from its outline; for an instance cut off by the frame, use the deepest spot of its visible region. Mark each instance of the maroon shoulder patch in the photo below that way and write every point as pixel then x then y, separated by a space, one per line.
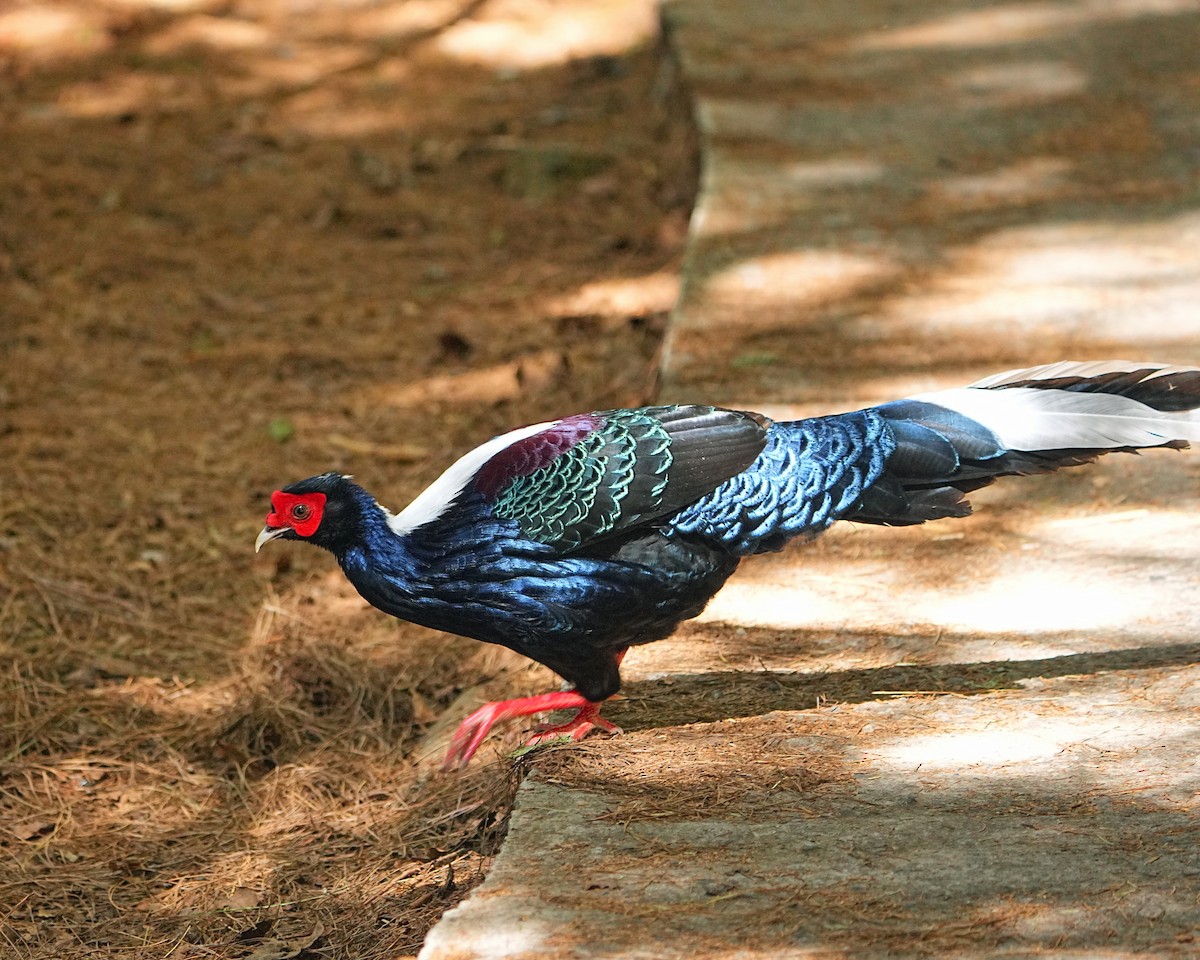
pixel 525 456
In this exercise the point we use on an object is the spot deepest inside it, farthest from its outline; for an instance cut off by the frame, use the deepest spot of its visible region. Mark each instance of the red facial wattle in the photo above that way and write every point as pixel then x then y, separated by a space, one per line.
pixel 300 511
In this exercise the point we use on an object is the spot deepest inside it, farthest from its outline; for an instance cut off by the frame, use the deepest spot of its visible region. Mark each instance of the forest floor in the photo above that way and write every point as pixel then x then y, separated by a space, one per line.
pixel 241 244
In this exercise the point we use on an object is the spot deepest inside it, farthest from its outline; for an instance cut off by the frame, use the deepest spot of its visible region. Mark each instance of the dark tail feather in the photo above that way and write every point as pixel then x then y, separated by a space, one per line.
pixel 1024 422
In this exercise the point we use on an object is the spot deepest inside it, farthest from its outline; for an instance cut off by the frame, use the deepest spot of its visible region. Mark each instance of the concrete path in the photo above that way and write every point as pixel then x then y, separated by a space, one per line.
pixel 976 739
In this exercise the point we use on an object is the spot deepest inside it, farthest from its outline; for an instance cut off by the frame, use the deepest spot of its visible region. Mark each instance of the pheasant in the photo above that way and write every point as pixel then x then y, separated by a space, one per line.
pixel 572 540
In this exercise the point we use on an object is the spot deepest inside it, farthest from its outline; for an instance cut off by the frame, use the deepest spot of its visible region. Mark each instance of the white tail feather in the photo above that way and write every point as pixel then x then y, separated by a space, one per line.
pixel 1041 418
pixel 1031 419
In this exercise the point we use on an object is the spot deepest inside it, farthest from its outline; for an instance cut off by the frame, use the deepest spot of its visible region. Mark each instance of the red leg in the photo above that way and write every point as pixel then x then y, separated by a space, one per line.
pixel 475 728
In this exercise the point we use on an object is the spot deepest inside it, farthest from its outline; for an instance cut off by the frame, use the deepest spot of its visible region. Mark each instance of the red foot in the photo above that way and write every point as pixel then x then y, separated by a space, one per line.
pixel 475 728
pixel 579 726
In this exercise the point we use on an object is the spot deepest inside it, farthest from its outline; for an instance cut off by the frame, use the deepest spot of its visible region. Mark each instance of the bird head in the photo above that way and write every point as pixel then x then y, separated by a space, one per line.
pixel 325 511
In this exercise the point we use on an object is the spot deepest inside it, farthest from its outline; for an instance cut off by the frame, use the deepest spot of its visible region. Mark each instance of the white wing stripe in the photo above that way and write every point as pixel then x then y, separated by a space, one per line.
pixel 435 499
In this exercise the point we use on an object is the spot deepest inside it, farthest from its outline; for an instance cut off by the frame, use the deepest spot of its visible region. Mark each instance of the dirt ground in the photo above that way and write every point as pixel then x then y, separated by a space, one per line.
pixel 245 241
pixel 242 243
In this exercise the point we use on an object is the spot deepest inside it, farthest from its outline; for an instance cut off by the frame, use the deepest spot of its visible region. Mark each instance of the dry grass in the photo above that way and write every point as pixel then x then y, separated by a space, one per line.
pixel 236 250
pixel 140 811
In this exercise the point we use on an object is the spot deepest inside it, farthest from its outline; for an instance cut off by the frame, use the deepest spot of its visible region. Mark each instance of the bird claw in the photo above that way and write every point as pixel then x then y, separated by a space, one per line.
pixel 475 728
pixel 574 730
pixel 470 735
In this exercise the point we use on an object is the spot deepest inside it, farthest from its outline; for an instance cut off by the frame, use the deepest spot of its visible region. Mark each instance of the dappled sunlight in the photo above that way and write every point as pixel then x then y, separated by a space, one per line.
pixel 245 876
pixel 251 55
pixel 1083 735
pixel 266 71
pixel 1035 812
pixel 1019 195
pixel 1039 600
pixel 398 19
pixel 771 192
pixel 269 48
pixel 989 752
pixel 984 751
pixel 48 32
pixel 120 95
pixel 1027 181
pixel 367 235
pixel 300 66
pixel 1022 84
pixel 1100 280
pixel 486 385
pixel 216 33
pixel 800 278
pixel 620 296
pixel 1160 534
pixel 1016 23
pixel 529 34
pixel 525 937
pixel 599 311
pixel 1035 585
pixel 827 173
pixel 1048 597
pixel 764 194
pixel 298 211
pixel 741 118
pixel 813 600
pixel 215 800
pixel 72 802
pixel 171 6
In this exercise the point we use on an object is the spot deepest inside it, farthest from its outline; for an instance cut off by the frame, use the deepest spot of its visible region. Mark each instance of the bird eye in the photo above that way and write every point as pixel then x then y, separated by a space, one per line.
pixel 301 511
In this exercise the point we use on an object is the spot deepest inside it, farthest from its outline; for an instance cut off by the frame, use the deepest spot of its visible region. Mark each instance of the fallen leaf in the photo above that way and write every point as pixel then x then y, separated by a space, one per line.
pixel 242 898
pixel 32 829
pixel 292 949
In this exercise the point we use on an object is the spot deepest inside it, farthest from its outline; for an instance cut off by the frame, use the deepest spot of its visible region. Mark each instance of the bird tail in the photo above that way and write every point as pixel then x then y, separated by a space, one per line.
pixel 1027 421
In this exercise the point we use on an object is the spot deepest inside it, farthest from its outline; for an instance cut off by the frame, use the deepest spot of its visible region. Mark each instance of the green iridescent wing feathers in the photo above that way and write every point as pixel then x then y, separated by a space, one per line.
pixel 636 466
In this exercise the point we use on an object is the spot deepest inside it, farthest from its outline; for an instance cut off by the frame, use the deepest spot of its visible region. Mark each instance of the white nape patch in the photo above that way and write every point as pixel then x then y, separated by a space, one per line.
pixel 436 498
pixel 1031 418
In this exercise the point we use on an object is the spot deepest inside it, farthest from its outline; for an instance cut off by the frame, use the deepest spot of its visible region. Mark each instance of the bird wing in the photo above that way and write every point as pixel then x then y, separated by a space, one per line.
pixel 588 477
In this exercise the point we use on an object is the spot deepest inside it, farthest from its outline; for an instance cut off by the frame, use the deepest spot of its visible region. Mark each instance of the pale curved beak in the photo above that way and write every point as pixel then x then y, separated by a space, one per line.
pixel 268 534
